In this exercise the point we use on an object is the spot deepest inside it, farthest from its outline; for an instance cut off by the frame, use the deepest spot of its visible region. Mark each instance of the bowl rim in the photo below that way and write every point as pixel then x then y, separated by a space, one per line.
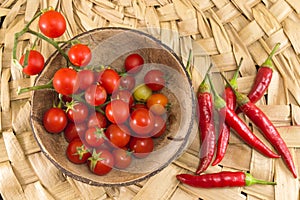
pixel 147 175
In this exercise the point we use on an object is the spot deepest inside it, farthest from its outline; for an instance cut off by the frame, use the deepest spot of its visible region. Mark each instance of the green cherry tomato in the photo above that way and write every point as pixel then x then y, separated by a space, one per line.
pixel 142 93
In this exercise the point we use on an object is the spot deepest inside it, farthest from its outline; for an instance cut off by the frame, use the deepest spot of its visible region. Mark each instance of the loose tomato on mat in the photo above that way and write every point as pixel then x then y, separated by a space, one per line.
pixel 80 55
pixel 117 111
pixel 101 162
pixel 65 81
pixel 55 120
pixel 95 95
pixel 97 119
pixel 95 136
pixel 76 152
pixel 141 147
pixel 85 78
pixel 157 103
pixel 109 79
pixel 141 121
pixel 133 63
pixel 73 131
pixel 77 111
pixel 119 136
pixel 155 80
pixel 52 24
pixel 122 158
pixel 35 62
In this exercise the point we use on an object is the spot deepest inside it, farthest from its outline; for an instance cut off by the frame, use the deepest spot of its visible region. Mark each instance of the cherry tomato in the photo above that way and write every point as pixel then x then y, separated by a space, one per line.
pixel 52 24
pixel 133 63
pixel 94 136
pixel 35 63
pixel 85 79
pixel 141 147
pixel 97 119
pixel 138 105
pixel 80 55
pixel 155 80
pixel 55 120
pixel 109 79
pixel 77 112
pixel 65 81
pixel 124 95
pixel 66 99
pixel 101 162
pixel 160 126
pixel 119 136
pixel 141 121
pixel 157 103
pixel 95 95
pixel 122 158
pixel 127 82
pixel 142 93
pixel 117 111
pixel 73 131
pixel 76 152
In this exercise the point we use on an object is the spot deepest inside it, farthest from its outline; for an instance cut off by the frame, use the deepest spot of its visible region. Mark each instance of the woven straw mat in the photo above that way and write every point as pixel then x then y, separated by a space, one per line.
pixel 226 30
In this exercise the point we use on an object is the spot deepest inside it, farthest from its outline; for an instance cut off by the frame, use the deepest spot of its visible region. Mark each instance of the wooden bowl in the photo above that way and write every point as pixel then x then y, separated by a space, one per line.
pixel 110 46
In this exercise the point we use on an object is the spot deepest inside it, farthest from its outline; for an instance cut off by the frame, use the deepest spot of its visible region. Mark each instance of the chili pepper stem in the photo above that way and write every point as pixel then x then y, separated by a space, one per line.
pixel 233 81
pixel 268 62
pixel 218 101
pixel 250 180
pixel 37 87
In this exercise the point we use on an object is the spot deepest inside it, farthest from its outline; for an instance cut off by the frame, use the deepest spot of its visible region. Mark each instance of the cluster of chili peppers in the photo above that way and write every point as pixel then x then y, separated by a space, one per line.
pixel 208 100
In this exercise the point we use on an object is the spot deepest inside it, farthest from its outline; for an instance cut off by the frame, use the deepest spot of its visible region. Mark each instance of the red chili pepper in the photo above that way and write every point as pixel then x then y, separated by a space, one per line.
pixel 262 79
pixel 224 129
pixel 233 120
pixel 267 129
pixel 221 179
pixel 206 126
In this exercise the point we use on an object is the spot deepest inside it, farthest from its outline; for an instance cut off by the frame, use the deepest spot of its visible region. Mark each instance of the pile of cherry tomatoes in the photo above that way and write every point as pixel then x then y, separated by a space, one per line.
pixel 106 117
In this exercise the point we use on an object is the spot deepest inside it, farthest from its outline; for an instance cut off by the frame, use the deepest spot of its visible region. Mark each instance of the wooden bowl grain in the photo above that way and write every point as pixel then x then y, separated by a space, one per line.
pixel 110 46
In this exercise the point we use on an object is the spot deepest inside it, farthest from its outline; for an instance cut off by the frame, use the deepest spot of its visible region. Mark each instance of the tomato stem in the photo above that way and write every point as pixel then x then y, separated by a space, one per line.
pixel 37 87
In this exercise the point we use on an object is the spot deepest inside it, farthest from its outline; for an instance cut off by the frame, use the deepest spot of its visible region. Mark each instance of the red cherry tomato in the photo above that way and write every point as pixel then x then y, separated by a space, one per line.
pixel 76 152
pixel 109 79
pixel 101 162
pixel 127 82
pixel 94 137
pixel 160 126
pixel 133 63
pixel 52 24
pixel 65 81
pixel 155 80
pixel 119 136
pixel 97 119
pixel 141 147
pixel 117 111
pixel 157 103
pixel 78 112
pixel 80 55
pixel 35 63
pixel 85 79
pixel 73 131
pixel 138 105
pixel 124 95
pixel 95 95
pixel 122 158
pixel 141 121
pixel 55 120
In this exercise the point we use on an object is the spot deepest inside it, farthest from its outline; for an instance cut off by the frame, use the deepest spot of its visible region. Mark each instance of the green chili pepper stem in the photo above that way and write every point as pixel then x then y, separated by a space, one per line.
pixel 37 87
pixel 268 61
pixel 250 180
pixel 240 98
pixel 188 64
pixel 218 101
pixel 204 86
pixel 233 81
